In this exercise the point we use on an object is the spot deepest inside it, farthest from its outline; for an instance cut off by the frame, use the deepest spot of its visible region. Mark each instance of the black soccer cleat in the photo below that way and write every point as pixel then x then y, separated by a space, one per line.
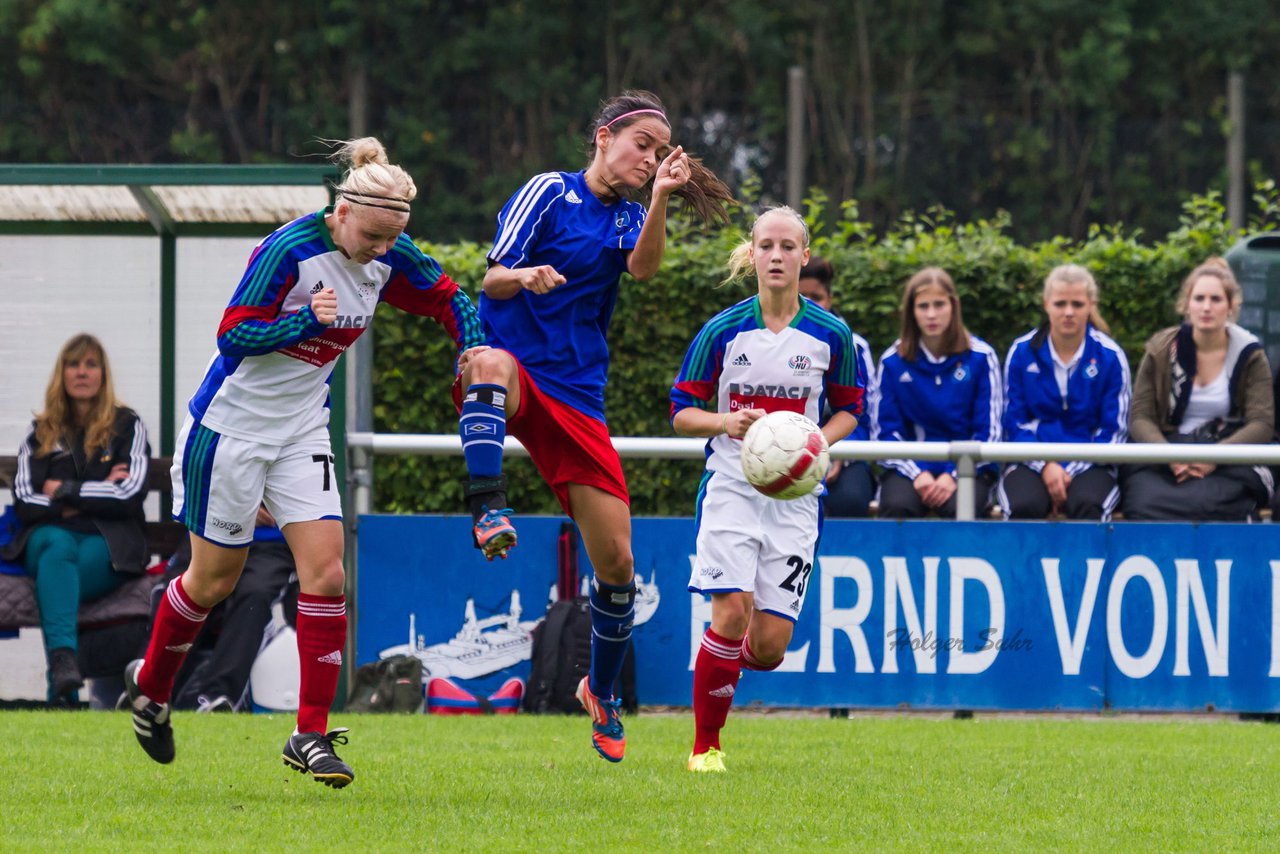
pixel 312 753
pixel 151 722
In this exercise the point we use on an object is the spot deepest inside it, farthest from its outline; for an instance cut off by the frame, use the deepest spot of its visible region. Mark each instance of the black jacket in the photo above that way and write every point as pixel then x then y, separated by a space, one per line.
pixel 112 509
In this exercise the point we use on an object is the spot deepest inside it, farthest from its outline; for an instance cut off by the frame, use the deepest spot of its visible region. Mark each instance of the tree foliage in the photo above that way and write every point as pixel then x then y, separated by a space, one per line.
pixel 1000 281
pixel 1064 113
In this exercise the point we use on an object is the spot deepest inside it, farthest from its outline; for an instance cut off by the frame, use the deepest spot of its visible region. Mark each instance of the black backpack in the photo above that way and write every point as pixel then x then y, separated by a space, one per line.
pixel 561 657
pixel 562 643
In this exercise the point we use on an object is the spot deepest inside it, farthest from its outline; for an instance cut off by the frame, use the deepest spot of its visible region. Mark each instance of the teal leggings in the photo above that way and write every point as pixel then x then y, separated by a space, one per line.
pixel 69 568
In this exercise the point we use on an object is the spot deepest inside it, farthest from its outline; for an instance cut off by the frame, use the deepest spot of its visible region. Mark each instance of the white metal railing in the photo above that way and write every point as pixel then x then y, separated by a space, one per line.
pixel 967 455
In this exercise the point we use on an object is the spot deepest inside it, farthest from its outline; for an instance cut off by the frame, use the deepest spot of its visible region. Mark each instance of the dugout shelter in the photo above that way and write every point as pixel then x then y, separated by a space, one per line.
pixel 145 258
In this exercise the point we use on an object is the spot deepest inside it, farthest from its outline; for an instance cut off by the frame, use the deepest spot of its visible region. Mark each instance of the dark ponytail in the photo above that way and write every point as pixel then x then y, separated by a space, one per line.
pixel 704 194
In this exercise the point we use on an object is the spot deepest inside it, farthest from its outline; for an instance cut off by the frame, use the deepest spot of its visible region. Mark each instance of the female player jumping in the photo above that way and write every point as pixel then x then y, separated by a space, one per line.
pixel 564 240
pixel 771 352
pixel 258 433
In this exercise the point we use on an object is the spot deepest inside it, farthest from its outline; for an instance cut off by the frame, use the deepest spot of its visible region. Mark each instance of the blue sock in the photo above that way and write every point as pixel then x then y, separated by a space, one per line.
pixel 483 426
pixel 613 610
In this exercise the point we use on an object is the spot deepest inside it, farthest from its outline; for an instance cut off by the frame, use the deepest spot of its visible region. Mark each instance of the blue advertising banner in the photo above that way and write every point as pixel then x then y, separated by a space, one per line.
pixel 925 614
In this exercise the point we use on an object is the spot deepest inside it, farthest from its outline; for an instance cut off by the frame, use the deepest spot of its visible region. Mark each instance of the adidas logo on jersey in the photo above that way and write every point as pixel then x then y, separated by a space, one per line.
pixel 317 288
pixel 572 198
pixel 334 657
pixel 905 378
pixel 742 361
pixel 1033 368
pixel 722 691
pixel 795 606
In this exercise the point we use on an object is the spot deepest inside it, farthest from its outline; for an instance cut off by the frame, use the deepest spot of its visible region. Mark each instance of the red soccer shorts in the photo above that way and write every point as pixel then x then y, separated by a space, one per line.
pixel 566 446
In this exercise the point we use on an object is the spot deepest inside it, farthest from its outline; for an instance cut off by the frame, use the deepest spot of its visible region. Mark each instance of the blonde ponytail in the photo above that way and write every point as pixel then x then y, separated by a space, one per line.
pixel 372 180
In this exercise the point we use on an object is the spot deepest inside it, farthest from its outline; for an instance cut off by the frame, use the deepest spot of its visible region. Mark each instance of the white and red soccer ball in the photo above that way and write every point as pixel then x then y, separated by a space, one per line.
pixel 785 455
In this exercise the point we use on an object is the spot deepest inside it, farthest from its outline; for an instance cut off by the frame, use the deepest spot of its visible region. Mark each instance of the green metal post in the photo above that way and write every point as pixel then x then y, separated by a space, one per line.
pixel 168 353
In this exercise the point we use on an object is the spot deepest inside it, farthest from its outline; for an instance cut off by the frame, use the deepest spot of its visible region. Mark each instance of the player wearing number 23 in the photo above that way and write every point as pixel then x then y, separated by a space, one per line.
pixel 771 352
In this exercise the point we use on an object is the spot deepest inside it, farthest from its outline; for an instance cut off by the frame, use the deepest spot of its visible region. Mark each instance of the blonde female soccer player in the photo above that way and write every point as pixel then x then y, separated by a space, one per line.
pixel 770 352
pixel 257 433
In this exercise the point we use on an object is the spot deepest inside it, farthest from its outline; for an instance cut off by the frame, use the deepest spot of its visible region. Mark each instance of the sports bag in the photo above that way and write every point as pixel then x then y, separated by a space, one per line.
pixel 391 685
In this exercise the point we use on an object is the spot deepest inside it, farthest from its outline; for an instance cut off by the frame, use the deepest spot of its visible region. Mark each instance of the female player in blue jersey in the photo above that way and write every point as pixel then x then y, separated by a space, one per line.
pixel 563 241
pixel 257 433
pixel 938 383
pixel 1065 381
pixel 771 352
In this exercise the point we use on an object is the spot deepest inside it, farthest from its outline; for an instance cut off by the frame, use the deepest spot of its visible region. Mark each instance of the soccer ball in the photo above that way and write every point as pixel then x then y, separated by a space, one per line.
pixel 784 455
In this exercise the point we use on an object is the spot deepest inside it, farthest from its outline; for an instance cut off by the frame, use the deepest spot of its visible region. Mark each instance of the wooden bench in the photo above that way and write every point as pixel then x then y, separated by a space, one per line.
pixel 111 626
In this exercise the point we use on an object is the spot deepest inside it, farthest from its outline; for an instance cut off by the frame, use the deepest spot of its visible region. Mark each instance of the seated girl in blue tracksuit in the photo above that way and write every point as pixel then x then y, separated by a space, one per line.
pixel 1065 381
pixel 938 383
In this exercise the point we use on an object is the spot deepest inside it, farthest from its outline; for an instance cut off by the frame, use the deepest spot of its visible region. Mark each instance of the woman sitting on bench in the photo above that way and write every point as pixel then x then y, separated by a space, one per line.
pixel 79 488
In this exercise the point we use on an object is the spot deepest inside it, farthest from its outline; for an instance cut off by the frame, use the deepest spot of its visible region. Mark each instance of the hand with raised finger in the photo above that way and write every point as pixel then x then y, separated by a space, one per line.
pixel 673 173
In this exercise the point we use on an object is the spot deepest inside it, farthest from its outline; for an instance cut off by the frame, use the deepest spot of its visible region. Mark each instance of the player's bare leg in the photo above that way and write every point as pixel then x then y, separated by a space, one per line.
pixel 605 522
pixel 490 395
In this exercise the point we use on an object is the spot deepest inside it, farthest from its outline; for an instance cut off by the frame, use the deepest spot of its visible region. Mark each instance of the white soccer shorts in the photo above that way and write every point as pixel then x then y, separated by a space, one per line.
pixel 219 481
pixel 749 542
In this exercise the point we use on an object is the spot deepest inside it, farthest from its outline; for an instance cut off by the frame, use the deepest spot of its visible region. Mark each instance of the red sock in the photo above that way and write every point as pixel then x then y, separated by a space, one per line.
pixel 322 633
pixel 178 621
pixel 715 678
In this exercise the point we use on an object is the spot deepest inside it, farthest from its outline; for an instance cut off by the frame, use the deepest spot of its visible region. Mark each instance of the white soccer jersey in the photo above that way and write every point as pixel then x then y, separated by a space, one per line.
pixel 743 365
pixel 269 380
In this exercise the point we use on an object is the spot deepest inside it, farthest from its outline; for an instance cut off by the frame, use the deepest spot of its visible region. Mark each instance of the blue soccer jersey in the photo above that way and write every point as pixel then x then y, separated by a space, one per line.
pixel 559 337
pixel 741 364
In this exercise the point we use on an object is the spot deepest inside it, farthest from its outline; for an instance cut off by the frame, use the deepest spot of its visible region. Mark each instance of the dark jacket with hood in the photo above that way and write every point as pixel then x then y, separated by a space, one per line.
pixel 110 508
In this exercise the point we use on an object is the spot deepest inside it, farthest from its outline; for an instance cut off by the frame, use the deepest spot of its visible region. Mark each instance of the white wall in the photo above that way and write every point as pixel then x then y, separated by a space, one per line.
pixel 55 287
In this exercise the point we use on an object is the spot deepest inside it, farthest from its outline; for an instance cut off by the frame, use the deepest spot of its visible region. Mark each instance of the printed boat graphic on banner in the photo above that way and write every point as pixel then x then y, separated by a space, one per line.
pixel 647 597
pixel 486 646
pixel 481 647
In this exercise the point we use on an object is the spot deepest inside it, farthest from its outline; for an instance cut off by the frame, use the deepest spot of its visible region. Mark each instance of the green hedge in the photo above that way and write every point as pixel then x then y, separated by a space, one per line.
pixel 999 282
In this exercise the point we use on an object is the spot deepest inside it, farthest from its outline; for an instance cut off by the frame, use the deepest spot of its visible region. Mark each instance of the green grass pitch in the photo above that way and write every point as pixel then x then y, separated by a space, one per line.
pixel 78 781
